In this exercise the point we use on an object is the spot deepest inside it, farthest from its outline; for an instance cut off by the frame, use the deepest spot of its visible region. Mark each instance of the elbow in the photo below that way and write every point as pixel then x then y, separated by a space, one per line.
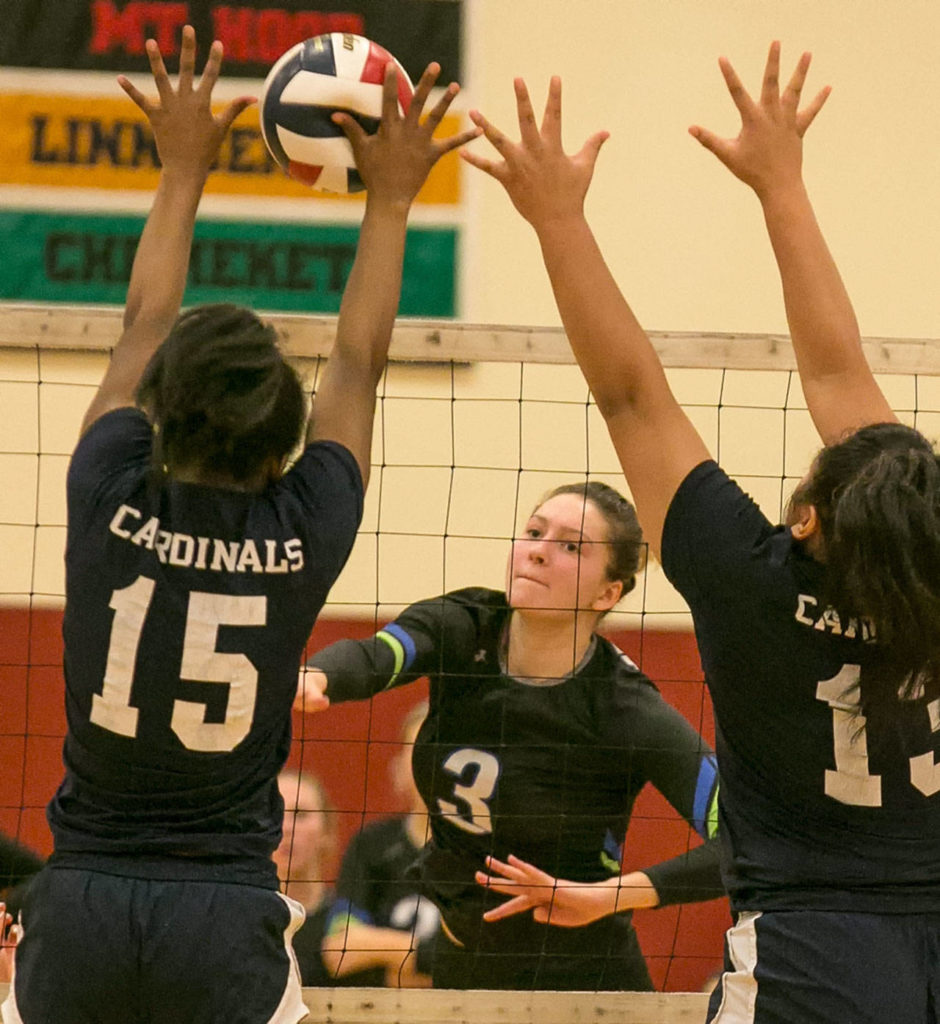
pixel 613 403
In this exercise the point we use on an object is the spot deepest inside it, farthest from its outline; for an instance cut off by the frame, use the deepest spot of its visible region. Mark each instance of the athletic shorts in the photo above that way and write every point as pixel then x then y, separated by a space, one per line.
pixel 823 967
pixel 104 949
pixel 572 959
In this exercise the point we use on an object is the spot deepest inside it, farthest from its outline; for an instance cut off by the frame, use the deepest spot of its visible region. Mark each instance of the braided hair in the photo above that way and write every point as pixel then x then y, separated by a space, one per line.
pixel 221 396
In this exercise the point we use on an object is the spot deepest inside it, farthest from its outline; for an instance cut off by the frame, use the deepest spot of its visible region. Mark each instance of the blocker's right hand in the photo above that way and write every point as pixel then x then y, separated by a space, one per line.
pixel 768 150
pixel 395 162
pixel 187 133
pixel 311 690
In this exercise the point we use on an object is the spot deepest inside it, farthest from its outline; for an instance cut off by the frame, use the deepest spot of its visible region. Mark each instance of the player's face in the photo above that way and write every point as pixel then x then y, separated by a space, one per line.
pixel 559 562
pixel 305 829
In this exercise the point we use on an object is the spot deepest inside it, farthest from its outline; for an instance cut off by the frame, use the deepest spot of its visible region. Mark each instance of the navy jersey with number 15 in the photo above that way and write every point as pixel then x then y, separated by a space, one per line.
pixel 187 609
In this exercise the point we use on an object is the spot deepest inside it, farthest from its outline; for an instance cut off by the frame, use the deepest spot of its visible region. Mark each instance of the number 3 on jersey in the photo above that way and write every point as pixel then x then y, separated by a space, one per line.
pixel 474 816
pixel 852 782
pixel 112 710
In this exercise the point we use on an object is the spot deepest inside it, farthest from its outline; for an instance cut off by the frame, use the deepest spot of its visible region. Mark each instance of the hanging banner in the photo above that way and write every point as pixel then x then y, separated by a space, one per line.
pixel 268 266
pixel 109 35
pixel 83 142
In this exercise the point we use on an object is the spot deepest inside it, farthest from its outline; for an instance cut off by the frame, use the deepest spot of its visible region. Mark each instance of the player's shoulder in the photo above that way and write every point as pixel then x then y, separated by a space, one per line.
pixel 111 461
pixel 326 479
pixel 621 671
pixel 463 619
pixel 481 599
pixel 117 438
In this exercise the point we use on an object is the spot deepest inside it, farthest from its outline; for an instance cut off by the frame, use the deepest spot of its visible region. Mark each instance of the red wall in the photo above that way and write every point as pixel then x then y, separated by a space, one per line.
pixel 349 748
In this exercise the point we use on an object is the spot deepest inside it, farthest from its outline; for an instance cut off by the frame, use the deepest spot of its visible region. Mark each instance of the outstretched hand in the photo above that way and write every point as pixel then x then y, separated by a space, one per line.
pixel 187 133
pixel 768 151
pixel 543 182
pixel 395 161
pixel 551 900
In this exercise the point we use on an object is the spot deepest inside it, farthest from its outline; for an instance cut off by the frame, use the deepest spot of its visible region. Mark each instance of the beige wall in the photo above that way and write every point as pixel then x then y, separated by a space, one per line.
pixel 684 238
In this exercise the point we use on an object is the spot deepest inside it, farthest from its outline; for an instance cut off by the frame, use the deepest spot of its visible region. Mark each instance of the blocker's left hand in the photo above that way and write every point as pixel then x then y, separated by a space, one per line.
pixel 551 900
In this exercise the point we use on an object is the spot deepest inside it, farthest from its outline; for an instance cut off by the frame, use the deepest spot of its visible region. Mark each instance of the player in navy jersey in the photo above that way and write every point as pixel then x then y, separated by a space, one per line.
pixel 195 567
pixel 820 638
pixel 539 736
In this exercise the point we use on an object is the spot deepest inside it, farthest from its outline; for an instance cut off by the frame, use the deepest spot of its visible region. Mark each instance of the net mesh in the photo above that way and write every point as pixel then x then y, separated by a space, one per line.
pixel 473 425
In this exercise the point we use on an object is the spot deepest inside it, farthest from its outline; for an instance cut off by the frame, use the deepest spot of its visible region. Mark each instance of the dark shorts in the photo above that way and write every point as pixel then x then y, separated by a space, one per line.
pixel 824 967
pixel 594 958
pixel 103 949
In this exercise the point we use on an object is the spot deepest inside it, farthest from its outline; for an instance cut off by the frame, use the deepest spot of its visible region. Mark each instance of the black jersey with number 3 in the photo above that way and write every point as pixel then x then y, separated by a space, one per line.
pixel 548 772
pixel 819 808
pixel 187 609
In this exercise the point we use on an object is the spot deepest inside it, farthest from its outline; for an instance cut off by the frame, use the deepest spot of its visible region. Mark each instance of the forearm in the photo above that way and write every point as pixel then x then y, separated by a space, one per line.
pixel 822 321
pixel 370 300
pixel 614 352
pixel 355 669
pixel 635 891
pixel 359 947
pixel 161 264
pixel 691 877
pixel 837 382
pixel 359 669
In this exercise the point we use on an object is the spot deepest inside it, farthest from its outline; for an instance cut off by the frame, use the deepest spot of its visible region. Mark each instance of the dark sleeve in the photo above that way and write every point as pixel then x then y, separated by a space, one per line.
pixel 323 491
pixel 711 530
pixel 430 638
pixel 119 442
pixel 682 766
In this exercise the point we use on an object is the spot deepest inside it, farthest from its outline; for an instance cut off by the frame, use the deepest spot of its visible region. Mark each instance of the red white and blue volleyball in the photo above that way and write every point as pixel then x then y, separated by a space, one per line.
pixel 337 71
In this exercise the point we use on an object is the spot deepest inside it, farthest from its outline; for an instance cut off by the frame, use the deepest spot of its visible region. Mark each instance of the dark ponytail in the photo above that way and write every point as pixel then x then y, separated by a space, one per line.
pixel 877 494
pixel 221 395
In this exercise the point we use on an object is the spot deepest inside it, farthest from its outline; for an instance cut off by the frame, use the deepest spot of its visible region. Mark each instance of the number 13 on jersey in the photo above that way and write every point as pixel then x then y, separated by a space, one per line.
pixel 852 782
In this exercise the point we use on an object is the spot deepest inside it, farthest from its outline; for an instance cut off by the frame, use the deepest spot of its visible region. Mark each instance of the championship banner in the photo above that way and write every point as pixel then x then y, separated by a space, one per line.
pixel 99 143
pixel 268 266
pixel 109 35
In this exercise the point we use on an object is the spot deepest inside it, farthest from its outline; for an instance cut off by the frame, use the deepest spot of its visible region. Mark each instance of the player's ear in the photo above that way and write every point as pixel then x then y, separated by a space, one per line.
pixel 609 596
pixel 805 523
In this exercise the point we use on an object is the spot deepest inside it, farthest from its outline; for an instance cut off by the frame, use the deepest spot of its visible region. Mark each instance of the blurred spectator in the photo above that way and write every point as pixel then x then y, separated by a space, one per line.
pixel 379 919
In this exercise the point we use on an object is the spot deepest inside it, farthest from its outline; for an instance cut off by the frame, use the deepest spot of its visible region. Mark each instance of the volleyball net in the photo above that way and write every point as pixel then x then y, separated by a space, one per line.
pixel 473 425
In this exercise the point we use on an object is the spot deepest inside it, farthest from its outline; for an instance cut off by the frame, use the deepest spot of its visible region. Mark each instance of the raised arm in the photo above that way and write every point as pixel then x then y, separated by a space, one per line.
pixel 188 138
pixel 394 164
pixel 840 390
pixel 654 439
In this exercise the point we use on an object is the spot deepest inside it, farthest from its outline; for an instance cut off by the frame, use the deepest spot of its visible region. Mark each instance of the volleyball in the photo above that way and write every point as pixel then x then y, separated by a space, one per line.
pixel 331 72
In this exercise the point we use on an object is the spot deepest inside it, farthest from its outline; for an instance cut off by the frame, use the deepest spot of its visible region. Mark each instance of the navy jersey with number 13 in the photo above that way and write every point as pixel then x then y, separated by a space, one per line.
pixel 820 808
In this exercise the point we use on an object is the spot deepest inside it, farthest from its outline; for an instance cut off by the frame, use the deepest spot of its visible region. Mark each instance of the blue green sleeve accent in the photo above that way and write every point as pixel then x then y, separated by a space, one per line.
pixel 711 823
pixel 706 790
pixel 403 649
